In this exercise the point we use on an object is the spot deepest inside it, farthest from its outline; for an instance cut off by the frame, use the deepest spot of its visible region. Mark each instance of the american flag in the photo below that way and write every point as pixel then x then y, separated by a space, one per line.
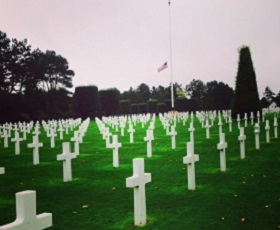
pixel 164 66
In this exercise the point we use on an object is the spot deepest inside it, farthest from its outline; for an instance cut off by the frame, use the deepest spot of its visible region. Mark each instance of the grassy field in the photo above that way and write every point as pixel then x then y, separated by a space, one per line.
pixel 246 196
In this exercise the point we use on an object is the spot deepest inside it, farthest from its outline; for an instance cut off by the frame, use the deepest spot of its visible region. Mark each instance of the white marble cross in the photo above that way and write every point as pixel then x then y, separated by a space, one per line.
pixel 257 135
pixel 66 157
pixel 17 141
pixel 138 181
pixel 76 140
pixel 149 137
pixel 267 128
pixel 27 219
pixel 207 127
pixel 60 130
pixel 222 147
pixel 242 139
pixel 131 131
pixel 173 134
pixel 35 145
pixel 115 146
pixel 252 118
pixel 107 135
pixel 230 123
pixel 6 138
pixel 245 119
pixel 220 124
pixel 190 160
pixel 275 124
pixel 238 121
pixel 191 130
pixel 52 135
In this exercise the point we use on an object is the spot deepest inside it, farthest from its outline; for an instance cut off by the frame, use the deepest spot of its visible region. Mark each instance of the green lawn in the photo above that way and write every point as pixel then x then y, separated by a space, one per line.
pixel 246 196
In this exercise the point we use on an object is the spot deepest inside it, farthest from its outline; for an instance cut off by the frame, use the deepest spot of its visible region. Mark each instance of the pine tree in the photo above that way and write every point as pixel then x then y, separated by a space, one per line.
pixel 246 96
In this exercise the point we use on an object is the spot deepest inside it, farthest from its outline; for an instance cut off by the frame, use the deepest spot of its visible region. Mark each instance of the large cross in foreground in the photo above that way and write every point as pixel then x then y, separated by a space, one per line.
pixel 138 181
pixel 26 214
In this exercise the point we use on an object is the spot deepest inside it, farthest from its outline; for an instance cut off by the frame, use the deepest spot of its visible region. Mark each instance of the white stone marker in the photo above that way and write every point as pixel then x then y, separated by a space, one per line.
pixel 220 124
pixel 26 214
pixel 275 124
pixel 207 127
pixel 131 130
pixel 60 130
pixel 252 118
pixel 257 135
pixel 52 135
pixel 245 119
pixel 115 146
pixel 238 121
pixel 242 139
pixel 222 147
pixel 190 159
pixel 17 141
pixel 76 140
pixel 149 137
pixel 6 135
pixel 138 181
pixel 230 124
pixel 173 134
pixel 267 128
pixel 2 170
pixel 191 130
pixel 35 145
pixel 66 157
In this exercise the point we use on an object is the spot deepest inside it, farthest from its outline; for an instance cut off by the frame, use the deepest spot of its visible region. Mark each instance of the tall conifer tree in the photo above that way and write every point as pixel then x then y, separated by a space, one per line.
pixel 246 96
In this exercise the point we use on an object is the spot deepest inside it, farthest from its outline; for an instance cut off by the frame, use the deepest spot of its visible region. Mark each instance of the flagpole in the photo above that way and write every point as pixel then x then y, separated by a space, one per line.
pixel 172 92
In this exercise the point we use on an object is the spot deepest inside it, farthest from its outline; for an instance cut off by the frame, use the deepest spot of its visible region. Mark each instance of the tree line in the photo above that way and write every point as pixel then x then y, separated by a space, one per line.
pixel 34 85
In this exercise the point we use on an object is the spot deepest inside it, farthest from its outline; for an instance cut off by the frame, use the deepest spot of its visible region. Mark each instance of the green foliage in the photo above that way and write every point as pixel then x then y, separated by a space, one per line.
pixel 162 108
pixel 134 109
pixel 168 104
pixel 12 107
pixel 143 107
pixel 246 96
pixel 125 107
pixel 152 106
pixel 86 101
pixel 181 104
pixel 219 96
pixel 109 101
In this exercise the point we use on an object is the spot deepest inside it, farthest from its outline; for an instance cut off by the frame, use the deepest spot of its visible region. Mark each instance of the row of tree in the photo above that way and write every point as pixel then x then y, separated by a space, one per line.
pixel 196 96
pixel 33 85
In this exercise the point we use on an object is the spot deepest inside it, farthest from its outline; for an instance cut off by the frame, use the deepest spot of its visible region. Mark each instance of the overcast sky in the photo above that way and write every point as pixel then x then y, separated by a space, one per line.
pixel 121 43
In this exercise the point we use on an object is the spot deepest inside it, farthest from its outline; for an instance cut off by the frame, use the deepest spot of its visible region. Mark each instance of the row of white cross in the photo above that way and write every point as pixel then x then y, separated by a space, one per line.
pixel 26 201
pixel 26 217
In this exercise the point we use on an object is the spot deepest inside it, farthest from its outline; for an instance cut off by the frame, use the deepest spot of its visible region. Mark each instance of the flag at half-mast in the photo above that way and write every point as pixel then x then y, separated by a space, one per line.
pixel 164 66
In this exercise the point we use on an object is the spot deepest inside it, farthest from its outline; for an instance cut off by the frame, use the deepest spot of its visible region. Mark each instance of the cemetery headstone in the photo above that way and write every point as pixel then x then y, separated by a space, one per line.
pixel 26 217
pixel 267 128
pixel 222 147
pixel 242 139
pixel 35 145
pixel 66 157
pixel 17 141
pixel 190 160
pixel 115 146
pixel 138 181
pixel 257 136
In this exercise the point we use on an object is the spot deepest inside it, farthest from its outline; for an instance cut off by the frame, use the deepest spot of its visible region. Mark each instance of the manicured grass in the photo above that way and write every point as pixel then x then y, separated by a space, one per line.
pixel 246 196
